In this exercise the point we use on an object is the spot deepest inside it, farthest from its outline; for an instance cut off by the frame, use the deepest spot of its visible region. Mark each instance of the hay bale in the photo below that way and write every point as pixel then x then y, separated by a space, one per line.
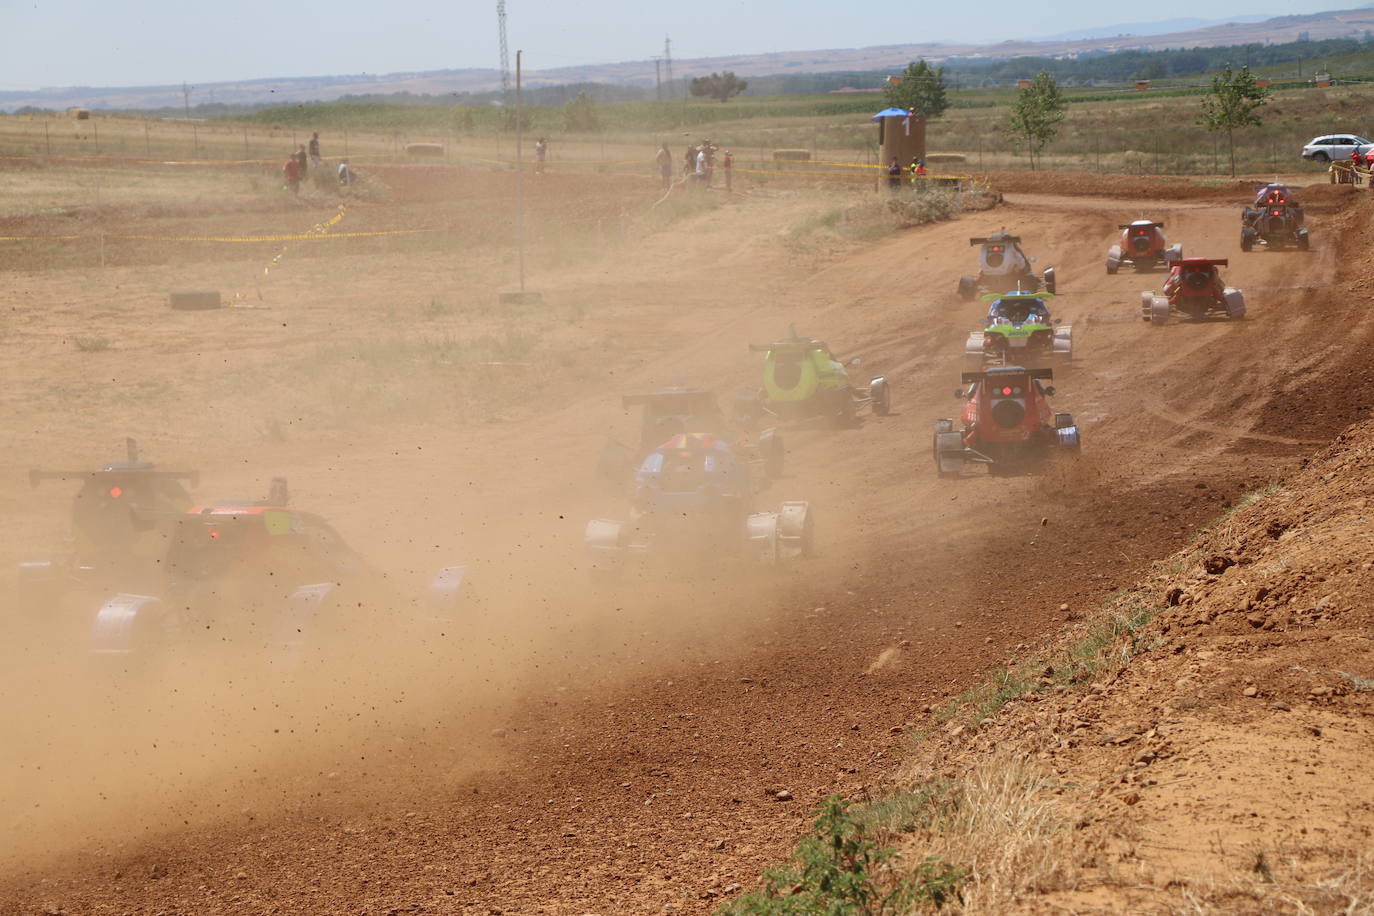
pixel 194 300
pixel 79 114
pixel 791 155
pixel 424 149
pixel 946 158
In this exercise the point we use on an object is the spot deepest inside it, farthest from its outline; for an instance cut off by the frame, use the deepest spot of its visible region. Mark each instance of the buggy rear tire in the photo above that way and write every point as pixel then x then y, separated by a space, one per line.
pixel 1048 282
pixel 881 393
pixel 968 287
pixel 947 448
pixel 1159 311
pixel 1235 304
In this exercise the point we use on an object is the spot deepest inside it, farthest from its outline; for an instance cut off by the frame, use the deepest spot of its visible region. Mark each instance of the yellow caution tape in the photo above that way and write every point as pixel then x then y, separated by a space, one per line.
pixel 218 238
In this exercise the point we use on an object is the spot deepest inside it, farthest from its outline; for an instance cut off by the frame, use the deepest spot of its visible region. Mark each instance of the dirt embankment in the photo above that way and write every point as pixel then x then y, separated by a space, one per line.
pixel 1315 194
pixel 1222 761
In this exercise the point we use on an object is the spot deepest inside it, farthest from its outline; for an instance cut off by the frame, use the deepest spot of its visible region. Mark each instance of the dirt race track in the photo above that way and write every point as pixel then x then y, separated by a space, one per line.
pixel 575 751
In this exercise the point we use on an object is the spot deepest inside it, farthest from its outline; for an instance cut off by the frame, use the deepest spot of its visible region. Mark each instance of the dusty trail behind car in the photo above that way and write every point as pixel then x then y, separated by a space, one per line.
pixel 637 735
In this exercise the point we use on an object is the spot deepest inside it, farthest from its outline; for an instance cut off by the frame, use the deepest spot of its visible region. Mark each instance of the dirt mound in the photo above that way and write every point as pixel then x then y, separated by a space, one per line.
pixel 1208 755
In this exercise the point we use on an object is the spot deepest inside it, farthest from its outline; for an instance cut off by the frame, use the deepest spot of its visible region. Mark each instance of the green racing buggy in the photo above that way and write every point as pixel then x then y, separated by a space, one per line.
pixel 802 379
pixel 1018 330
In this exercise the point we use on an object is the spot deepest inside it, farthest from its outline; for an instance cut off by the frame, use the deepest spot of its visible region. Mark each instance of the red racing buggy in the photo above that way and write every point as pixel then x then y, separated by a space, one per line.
pixel 1143 246
pixel 1007 423
pixel 1194 289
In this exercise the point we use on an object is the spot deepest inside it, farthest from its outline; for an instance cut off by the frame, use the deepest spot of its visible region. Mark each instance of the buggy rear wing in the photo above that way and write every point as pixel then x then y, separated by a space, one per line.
pixel 1140 225
pixel 968 378
pixel 132 466
pixel 783 345
pixel 1018 294
pixel 36 476
pixel 1004 239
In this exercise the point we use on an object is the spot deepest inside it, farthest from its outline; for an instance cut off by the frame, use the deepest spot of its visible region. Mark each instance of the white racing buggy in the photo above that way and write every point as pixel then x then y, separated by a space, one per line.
pixel 694 506
pixel 1003 268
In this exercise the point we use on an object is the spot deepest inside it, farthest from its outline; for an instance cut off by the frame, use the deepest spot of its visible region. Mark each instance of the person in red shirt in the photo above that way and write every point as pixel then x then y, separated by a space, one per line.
pixel 291 169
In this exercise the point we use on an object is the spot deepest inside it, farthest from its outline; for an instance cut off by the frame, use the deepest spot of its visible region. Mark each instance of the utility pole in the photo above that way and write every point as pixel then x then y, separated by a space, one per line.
pixel 519 173
pixel 658 79
pixel 668 62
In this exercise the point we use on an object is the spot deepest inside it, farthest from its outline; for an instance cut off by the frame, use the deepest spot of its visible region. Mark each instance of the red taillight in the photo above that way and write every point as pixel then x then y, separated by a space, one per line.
pixel 1276 213
pixel 214 534
pixel 116 492
pixel 1006 391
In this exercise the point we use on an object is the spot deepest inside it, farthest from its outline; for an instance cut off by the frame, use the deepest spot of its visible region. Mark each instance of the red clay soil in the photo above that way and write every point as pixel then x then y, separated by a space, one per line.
pixel 1224 767
pixel 630 755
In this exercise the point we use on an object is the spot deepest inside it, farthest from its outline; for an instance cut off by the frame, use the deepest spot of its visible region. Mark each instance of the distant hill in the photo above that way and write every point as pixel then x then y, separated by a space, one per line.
pixel 1316 26
pixel 1162 27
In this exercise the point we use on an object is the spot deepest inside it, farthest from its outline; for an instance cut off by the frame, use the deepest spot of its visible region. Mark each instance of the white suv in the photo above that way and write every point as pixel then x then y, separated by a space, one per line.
pixel 1336 147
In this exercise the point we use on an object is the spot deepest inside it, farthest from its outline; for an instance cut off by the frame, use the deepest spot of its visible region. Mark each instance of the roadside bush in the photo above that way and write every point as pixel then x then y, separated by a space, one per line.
pixel 879 216
pixel 840 870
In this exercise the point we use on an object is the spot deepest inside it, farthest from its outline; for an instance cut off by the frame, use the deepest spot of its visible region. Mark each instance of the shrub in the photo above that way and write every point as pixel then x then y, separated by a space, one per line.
pixel 840 870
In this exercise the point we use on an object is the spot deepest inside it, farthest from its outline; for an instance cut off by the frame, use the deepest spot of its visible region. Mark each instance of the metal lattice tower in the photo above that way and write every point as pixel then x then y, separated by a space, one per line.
pixel 505 55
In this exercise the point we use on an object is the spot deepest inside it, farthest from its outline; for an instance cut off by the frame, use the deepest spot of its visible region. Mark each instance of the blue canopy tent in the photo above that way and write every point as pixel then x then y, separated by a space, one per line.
pixel 890 113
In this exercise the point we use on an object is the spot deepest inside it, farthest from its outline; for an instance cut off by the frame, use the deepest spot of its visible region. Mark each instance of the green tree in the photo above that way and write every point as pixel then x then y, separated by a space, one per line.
pixel 1154 70
pixel 720 86
pixel 1036 114
pixel 580 113
pixel 1231 103
pixel 920 89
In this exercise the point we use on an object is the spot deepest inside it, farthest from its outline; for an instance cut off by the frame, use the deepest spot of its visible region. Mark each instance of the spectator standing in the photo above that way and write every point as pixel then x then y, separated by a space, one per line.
pixel 291 171
pixel 727 162
pixel 346 176
pixel 541 151
pixel 302 160
pixel 315 150
pixel 703 177
pixel 665 166
pixel 689 162
pixel 894 174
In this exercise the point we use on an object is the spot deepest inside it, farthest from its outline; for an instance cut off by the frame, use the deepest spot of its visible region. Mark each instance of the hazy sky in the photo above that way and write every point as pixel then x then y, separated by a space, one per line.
pixel 149 42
